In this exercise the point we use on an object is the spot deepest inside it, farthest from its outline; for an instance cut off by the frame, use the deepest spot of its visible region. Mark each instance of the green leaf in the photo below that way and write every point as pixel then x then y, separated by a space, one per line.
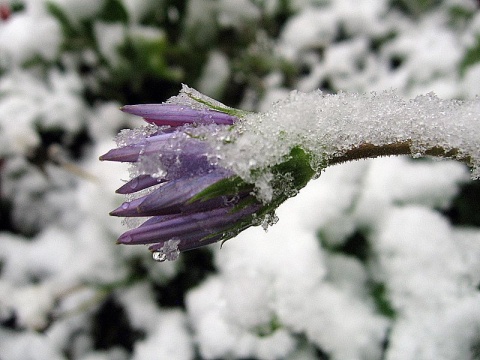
pixel 114 11
pixel 57 12
pixel 380 296
pixel 229 186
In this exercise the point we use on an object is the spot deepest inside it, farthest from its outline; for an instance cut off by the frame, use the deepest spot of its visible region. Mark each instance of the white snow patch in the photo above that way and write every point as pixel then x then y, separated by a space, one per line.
pixel 215 74
pixel 26 35
pixel 410 246
pixel 27 345
pixel 109 37
pixel 218 337
pixel 170 339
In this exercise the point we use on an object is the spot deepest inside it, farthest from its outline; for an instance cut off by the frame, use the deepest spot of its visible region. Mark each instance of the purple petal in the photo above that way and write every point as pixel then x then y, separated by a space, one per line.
pixel 131 153
pixel 163 145
pixel 128 208
pixel 177 115
pixel 172 197
pixel 191 243
pixel 139 183
pixel 187 227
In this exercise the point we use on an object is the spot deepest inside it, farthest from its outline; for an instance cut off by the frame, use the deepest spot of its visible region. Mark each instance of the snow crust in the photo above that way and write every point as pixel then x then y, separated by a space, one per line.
pixel 328 126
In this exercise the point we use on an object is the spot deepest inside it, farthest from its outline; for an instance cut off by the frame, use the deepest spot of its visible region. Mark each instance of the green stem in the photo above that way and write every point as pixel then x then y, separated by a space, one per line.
pixel 366 151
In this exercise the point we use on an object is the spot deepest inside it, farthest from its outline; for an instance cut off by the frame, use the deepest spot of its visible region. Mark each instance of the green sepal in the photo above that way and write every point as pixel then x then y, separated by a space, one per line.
pixel 296 167
pixel 225 109
pixel 225 187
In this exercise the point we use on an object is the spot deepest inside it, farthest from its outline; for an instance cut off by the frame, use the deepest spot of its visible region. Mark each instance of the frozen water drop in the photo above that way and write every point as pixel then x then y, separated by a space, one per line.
pixel 169 251
pixel 159 256
pixel 269 220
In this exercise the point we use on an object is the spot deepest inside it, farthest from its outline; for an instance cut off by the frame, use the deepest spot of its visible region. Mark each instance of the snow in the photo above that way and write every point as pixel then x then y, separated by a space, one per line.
pixel 18 37
pixel 297 288
pixel 218 336
pixel 170 339
pixel 28 345
pixel 328 126
pixel 215 75
pixel 28 102
pixel 110 36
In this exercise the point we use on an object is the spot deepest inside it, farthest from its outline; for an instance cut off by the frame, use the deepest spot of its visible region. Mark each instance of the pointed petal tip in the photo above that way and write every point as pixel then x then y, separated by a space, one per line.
pixel 137 109
pixel 124 239
pixel 108 156
pixel 139 183
pixel 114 212
pixel 143 109
pixel 126 108
pixel 103 157
pixel 129 109
pixel 122 211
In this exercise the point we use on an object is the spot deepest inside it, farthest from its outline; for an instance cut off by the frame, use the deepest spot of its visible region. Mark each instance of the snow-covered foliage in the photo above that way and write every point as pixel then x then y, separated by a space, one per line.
pixel 376 259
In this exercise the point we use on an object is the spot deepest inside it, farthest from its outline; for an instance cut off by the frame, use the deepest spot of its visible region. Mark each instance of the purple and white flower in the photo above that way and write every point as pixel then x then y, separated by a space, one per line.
pixel 190 200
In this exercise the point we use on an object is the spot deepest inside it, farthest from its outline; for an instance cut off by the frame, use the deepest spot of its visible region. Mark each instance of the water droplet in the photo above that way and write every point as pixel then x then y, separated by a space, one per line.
pixel 134 183
pixel 169 251
pixel 125 205
pixel 269 220
pixel 159 256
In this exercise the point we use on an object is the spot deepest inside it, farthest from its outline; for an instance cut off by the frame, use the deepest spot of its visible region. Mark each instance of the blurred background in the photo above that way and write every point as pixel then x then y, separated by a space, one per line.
pixel 376 259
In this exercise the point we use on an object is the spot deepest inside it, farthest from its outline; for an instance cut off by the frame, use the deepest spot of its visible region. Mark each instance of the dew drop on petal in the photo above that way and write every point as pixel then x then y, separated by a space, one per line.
pixel 134 184
pixel 169 251
pixel 125 205
pixel 159 256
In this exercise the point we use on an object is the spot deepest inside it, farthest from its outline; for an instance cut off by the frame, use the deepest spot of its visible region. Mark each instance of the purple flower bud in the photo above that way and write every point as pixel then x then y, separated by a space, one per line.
pixel 192 201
